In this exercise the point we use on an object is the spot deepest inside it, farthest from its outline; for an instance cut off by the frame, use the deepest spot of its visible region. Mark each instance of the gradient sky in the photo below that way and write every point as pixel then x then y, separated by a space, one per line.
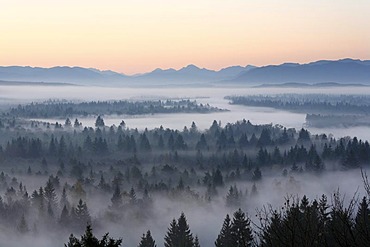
pixel 133 36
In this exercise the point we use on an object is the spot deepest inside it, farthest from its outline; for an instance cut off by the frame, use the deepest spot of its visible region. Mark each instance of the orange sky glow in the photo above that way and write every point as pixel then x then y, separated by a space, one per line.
pixel 136 36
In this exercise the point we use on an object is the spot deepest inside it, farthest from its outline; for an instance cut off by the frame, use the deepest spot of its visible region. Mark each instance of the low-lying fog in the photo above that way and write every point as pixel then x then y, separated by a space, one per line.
pixel 204 221
pixel 11 95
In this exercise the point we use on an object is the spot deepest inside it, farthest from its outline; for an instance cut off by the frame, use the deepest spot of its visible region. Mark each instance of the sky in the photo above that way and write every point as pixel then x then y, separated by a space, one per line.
pixel 135 36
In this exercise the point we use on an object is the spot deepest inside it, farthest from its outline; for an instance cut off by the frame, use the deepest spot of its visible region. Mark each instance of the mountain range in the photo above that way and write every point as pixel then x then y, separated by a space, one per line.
pixel 344 71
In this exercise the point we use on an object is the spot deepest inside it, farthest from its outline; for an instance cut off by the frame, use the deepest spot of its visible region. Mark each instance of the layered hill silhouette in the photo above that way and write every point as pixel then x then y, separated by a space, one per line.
pixel 345 71
pixel 340 71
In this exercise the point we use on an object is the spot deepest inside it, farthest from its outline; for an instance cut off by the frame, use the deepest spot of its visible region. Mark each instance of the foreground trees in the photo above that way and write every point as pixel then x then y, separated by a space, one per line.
pixel 237 232
pixel 147 240
pixel 179 234
pixel 89 240
pixel 297 223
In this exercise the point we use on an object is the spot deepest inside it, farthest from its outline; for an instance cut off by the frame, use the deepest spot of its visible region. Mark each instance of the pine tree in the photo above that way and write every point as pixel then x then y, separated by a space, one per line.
pixel 76 124
pixel 52 146
pixel 50 195
pixel 29 171
pixel 89 240
pixel 41 202
pixel 99 122
pixel 22 226
pixel 64 217
pixel 233 197
pixel 80 215
pixel 160 142
pixel 362 224
pixel 62 149
pixel 171 238
pixel 144 143
pixel 225 238
pixel 217 178
pixel 265 138
pixel 202 143
pixel 241 230
pixel 64 200
pixel 132 196
pixel 171 142
pixel 185 236
pixel 117 198
pixel 196 242
pixel 179 234
pixel 68 123
pixel 257 175
pixel 147 240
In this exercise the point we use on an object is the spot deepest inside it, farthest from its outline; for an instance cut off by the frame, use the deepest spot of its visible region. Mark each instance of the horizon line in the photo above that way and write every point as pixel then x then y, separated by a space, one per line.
pixel 183 67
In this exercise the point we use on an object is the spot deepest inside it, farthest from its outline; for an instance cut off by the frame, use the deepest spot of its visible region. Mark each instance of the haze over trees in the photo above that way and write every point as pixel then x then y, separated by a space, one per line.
pixel 162 186
pixel 69 109
pixel 133 169
pixel 322 110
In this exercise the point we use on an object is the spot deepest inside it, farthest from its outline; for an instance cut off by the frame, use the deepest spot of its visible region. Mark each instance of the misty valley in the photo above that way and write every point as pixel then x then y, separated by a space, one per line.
pixel 184 123
pixel 131 167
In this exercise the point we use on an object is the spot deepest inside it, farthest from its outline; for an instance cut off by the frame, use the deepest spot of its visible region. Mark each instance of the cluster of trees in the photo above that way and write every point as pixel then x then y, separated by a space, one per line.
pixel 297 223
pixel 322 110
pixel 89 240
pixel 241 145
pixel 308 103
pixel 70 109
pixel 132 168
pixel 339 120
pixel 236 232
pixel 316 223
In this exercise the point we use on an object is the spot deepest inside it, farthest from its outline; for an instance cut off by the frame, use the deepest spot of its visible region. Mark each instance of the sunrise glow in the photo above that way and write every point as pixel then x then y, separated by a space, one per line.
pixel 141 35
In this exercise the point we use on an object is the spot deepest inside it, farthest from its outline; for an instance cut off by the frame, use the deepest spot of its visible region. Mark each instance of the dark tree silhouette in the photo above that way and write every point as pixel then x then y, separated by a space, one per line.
pixel 147 240
pixel 89 240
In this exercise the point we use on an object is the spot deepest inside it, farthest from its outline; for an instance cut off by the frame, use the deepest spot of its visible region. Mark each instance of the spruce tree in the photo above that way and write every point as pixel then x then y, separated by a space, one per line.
pixel 117 198
pixel 362 224
pixel 179 234
pixel 225 239
pixel 80 215
pixel 132 196
pixel 147 240
pixel 233 197
pixel 99 122
pixel 185 236
pixel 50 195
pixel 241 230
pixel 171 238
pixel 64 200
pixel 64 217
pixel 196 242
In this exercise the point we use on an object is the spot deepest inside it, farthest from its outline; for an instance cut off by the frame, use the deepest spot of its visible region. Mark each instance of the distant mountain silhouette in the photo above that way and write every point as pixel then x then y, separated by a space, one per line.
pixel 63 74
pixel 345 71
pixel 89 76
pixel 190 74
pixel 340 71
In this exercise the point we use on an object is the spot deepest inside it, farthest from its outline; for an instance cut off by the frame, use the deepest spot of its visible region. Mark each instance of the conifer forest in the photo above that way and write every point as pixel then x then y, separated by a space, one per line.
pixel 232 184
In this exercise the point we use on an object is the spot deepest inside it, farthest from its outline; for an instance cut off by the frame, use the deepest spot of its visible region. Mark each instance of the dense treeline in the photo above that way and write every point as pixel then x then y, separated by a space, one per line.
pixel 322 121
pixel 308 103
pixel 241 145
pixel 69 109
pixel 321 110
pixel 130 169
